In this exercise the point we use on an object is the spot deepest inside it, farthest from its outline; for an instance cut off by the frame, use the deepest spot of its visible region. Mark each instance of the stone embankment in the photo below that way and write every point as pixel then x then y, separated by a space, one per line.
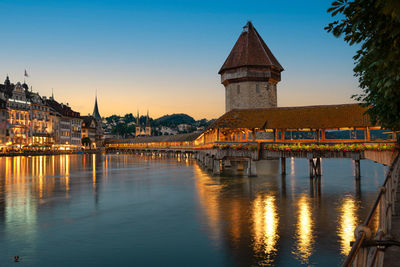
pixel 50 153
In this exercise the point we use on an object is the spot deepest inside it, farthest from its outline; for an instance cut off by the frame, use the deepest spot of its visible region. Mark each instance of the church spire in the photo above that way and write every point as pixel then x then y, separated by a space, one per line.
pixel 7 81
pixel 147 119
pixel 96 113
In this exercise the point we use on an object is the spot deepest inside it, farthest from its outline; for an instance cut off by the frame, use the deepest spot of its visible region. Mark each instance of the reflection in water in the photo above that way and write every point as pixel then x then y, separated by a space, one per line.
pixel 347 223
pixel 304 230
pixel 267 220
pixel 94 171
pixel 265 226
pixel 208 196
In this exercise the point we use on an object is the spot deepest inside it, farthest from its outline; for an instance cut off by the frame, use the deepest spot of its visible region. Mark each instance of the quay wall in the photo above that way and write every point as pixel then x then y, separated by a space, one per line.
pixel 50 153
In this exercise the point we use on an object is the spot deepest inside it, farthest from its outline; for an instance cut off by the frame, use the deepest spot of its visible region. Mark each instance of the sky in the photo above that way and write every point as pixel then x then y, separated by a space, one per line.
pixel 164 56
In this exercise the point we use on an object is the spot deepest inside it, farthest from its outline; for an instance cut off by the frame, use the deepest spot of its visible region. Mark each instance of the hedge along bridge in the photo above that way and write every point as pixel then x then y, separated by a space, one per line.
pixel 257 128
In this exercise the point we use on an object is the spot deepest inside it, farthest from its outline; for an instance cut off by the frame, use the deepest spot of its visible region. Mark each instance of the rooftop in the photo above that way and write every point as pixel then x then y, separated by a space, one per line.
pixel 314 117
pixel 250 50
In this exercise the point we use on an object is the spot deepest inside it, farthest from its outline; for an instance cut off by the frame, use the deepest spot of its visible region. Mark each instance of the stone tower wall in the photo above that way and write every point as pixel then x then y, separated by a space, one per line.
pixel 250 94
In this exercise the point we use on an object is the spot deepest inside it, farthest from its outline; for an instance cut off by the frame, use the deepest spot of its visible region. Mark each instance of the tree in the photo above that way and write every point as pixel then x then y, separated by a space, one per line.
pixel 86 141
pixel 375 26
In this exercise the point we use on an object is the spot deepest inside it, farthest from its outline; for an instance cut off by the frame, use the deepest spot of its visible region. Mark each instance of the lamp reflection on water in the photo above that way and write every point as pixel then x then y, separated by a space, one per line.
pixel 347 223
pixel 265 225
pixel 304 230
pixel 94 170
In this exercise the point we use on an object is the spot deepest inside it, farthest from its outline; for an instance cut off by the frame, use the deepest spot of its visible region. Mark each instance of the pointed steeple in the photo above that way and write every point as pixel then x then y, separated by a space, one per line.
pixel 96 113
pixel 250 50
pixel 147 119
pixel 137 119
pixel 7 81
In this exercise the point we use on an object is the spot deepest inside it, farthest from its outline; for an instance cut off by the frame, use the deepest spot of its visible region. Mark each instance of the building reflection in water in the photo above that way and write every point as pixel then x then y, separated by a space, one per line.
pixel 304 230
pixel 265 226
pixel 347 223
pixel 255 218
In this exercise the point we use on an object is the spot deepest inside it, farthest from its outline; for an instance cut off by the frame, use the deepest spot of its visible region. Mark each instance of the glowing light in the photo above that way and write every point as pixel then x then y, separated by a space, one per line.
pixel 347 224
pixel 304 230
pixel 265 226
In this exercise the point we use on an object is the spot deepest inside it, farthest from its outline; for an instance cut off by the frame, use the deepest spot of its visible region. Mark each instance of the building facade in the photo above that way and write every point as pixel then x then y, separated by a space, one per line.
pixel 69 124
pixel 89 130
pixel 41 131
pixel 3 122
pixel 251 73
pixel 19 123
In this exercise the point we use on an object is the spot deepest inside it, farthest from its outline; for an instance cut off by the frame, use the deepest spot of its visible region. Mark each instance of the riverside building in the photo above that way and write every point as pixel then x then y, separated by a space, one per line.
pixel 35 121
pixel 3 123
pixel 70 124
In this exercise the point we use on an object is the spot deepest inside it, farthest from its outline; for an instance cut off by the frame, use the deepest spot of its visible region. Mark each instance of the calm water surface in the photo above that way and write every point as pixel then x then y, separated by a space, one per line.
pixel 125 210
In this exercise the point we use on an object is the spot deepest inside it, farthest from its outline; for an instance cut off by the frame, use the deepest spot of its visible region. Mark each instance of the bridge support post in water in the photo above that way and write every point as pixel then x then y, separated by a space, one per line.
pixel 283 165
pixel 357 169
pixel 311 167
pixel 315 167
pixel 209 163
pixel 216 167
pixel 251 168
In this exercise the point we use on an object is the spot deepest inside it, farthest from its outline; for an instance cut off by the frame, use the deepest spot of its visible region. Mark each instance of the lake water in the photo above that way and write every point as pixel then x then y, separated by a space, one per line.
pixel 127 210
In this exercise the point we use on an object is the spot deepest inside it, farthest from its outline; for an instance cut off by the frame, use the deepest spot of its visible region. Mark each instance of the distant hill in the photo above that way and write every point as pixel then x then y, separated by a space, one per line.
pixel 125 125
pixel 174 120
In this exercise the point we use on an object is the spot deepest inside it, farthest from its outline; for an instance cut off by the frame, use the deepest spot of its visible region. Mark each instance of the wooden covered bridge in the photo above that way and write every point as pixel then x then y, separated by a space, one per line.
pixel 245 136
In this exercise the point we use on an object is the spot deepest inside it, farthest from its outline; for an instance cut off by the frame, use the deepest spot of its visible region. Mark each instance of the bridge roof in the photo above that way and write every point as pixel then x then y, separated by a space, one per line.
pixel 160 139
pixel 314 117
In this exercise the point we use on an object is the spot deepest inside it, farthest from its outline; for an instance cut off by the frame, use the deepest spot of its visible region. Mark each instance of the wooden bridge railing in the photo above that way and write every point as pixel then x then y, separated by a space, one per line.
pixel 366 250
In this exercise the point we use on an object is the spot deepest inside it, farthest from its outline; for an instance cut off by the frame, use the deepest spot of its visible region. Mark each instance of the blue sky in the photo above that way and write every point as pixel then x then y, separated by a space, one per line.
pixel 165 55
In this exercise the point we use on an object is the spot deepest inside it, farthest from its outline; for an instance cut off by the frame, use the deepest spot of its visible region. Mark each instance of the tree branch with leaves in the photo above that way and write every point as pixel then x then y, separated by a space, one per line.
pixel 375 26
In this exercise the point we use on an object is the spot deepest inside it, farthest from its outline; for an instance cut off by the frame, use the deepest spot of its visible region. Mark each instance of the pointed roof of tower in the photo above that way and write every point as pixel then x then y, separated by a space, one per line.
pixel 96 113
pixel 250 50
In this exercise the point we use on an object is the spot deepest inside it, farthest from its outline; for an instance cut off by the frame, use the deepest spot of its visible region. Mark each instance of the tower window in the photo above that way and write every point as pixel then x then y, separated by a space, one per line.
pixel 238 89
pixel 257 89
